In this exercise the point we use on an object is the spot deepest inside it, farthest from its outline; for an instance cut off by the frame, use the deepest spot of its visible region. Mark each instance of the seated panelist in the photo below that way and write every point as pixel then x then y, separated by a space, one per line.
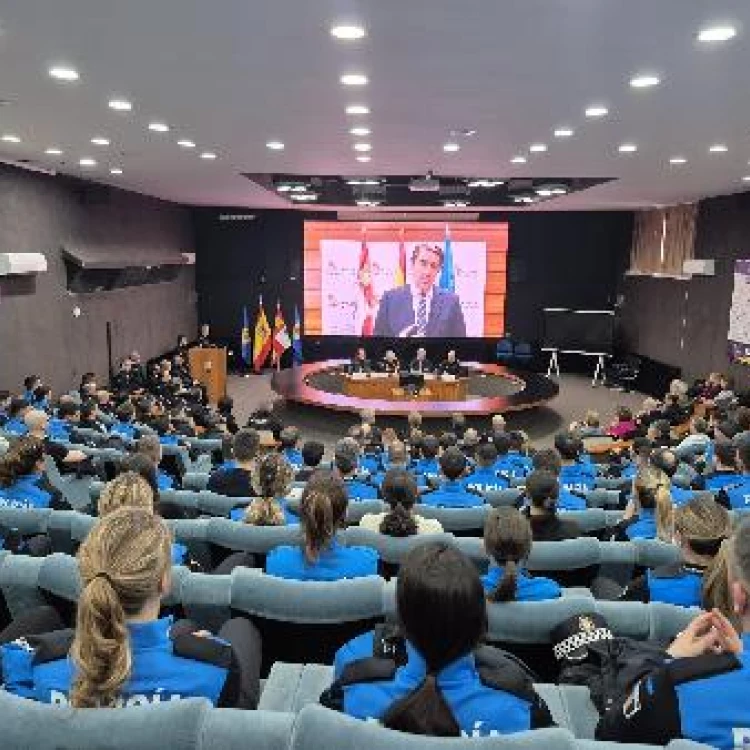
pixel 390 363
pixel 450 365
pixel 359 362
pixel 420 363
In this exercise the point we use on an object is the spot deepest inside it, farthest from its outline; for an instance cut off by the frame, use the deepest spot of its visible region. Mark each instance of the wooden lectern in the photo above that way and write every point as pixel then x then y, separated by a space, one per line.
pixel 209 366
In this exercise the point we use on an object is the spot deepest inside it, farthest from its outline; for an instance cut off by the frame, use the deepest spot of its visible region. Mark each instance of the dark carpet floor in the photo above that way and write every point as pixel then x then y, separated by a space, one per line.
pixel 576 397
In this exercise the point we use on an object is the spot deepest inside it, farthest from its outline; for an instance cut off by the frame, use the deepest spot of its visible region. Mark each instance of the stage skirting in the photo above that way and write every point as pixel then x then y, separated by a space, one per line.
pixel 488 389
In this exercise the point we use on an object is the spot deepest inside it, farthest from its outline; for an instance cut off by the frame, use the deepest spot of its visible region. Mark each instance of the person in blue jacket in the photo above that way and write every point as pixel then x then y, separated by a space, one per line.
pixel 738 493
pixel 648 514
pixel 15 424
pixel 272 477
pixel 507 541
pixel 346 461
pixel 123 424
pixel 699 579
pixel 485 477
pixel 428 465
pixel 436 686
pixel 451 493
pixel 700 694
pixel 549 460
pixel 121 652
pixel 576 474
pixel 23 483
pixel 289 441
pixel 320 556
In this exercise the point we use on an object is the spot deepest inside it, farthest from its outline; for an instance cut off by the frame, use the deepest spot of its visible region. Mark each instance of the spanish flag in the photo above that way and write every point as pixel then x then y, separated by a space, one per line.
pixel 262 341
pixel 400 277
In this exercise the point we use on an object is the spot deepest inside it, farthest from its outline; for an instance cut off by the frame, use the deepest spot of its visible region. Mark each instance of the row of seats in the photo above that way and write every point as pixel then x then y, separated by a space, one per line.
pixel 68 528
pixel 211 599
pixel 194 725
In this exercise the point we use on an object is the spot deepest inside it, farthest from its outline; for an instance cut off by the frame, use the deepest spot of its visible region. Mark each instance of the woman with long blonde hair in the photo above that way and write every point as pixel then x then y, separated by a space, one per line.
pixel 122 653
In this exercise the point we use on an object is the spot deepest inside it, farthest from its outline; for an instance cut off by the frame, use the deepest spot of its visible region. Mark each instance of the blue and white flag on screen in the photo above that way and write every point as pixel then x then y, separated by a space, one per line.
pixel 447 276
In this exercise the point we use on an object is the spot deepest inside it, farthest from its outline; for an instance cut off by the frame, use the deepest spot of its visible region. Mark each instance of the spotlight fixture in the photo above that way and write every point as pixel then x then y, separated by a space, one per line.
pixel 677 160
pixel 627 148
pixel 64 73
pixel 208 155
pixel 597 110
pixel 87 162
pixel 364 159
pixel 10 138
pixel 348 32
pixel 100 141
pixel 518 160
pixel 644 81
pixel 159 127
pixel 538 148
pixel 186 144
pixel 115 171
pixel 120 105
pixel 564 132
pixel 451 148
pixel 275 145
pixel 353 79
pixel 53 151
pixel 357 109
pixel 718 33
pixel 360 131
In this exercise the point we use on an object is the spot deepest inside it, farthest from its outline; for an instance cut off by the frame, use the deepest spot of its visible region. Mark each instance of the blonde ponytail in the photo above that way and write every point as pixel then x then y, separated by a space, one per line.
pixel 122 563
pixel 664 513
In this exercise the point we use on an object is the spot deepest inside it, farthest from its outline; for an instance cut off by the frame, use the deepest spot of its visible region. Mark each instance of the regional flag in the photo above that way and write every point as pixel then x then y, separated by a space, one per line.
pixel 297 339
pixel 400 277
pixel 364 277
pixel 245 336
pixel 262 341
pixel 447 276
pixel 281 340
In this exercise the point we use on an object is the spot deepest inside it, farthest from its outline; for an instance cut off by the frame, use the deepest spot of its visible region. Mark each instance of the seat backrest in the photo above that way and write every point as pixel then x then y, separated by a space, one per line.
pixel 652 553
pixel 247 538
pixel 503 498
pixel 179 725
pixel 318 727
pixel 27 520
pixel 219 505
pixel 319 602
pixel 356 510
pixel 390 549
pixel 456 519
pixel 195 480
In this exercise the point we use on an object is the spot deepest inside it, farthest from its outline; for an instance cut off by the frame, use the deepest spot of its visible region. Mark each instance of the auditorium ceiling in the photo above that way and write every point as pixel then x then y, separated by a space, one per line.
pixel 619 102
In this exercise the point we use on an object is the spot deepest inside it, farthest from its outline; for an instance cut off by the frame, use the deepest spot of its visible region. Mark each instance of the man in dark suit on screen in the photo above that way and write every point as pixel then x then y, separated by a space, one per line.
pixel 421 309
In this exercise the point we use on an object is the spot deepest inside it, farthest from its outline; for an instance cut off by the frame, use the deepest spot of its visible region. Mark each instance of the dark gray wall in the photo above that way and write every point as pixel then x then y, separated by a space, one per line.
pixel 685 323
pixel 38 332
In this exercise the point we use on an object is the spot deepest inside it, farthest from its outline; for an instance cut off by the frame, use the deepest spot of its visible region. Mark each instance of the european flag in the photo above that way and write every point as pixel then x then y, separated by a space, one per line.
pixel 447 277
pixel 245 336
pixel 297 339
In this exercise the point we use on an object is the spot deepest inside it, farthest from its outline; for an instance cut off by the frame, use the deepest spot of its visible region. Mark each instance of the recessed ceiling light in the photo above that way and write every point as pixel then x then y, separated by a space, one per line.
pixel 627 148
pixel 559 191
pixel 158 127
pixel 304 197
pixel 538 148
pixel 596 110
pixel 482 183
pixel 275 145
pixel 120 105
pixel 284 188
pixel 746 178
pixel 52 151
pixel 115 170
pixel 100 141
pixel 364 181
pixel 208 155
pixel 451 147
pixel 719 33
pixel 64 73
pixel 10 138
pixel 348 32
pixel 362 147
pixel 87 162
pixel 678 160
pixel 644 81
pixel 360 131
pixel 564 132
pixel 357 109
pixel 353 79
pixel 518 160
pixel 186 144
pixel 718 148
pixel 544 193
pixel 364 159
pixel 366 203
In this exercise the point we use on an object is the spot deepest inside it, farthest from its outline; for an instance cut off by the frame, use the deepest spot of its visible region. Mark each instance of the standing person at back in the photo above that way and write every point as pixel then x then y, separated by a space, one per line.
pixel 320 556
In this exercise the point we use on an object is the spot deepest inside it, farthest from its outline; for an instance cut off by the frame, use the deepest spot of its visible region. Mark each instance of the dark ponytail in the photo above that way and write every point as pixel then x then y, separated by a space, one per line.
pixel 442 611
pixel 400 492
pixel 507 540
pixel 322 511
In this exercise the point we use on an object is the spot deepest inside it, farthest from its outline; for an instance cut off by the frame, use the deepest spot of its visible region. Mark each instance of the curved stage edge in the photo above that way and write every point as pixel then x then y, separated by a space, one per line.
pixel 293 384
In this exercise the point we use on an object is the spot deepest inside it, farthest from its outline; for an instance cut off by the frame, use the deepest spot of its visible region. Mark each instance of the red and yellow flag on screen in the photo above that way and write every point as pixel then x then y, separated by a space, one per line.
pixel 262 339
pixel 364 277
pixel 400 276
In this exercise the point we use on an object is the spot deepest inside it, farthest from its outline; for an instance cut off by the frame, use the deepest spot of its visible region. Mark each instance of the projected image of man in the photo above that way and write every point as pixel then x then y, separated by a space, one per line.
pixel 421 308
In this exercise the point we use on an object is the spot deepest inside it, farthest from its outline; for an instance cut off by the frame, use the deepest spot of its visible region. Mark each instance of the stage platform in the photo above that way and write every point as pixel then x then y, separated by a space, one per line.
pixel 490 389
